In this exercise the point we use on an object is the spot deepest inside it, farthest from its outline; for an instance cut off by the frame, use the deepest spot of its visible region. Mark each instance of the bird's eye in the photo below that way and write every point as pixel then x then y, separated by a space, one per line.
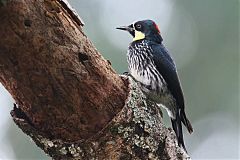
pixel 138 26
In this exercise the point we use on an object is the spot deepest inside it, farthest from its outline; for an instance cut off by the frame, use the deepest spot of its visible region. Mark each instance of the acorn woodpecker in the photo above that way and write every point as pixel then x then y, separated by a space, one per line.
pixel 151 65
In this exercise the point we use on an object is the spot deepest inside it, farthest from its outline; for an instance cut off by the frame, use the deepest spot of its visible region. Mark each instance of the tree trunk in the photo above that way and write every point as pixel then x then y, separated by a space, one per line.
pixel 69 99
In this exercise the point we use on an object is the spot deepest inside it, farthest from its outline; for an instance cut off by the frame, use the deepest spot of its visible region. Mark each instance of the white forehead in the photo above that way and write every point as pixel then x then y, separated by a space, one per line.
pixel 133 23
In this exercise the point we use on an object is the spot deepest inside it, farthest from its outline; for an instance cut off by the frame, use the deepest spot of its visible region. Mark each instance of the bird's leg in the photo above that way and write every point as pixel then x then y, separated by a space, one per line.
pixel 126 73
pixel 129 75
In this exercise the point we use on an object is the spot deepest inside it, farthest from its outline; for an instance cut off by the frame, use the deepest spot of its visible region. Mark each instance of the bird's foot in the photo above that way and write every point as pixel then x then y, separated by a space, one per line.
pixel 126 73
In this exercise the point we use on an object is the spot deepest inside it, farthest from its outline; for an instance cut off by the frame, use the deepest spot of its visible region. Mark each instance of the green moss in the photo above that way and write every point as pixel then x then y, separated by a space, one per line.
pixel 114 129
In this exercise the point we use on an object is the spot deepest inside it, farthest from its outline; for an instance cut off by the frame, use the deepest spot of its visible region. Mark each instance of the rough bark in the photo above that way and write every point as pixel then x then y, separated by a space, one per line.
pixel 69 99
pixel 54 73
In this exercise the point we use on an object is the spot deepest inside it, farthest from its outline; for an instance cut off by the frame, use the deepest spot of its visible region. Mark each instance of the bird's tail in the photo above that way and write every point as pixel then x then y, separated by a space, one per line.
pixel 185 121
pixel 177 127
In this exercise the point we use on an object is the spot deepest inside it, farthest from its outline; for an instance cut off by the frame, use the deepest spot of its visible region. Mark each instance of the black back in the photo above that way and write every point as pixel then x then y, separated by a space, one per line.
pixel 167 68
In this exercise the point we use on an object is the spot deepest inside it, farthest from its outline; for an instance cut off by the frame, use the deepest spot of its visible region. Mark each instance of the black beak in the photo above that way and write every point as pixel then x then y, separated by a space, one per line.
pixel 126 28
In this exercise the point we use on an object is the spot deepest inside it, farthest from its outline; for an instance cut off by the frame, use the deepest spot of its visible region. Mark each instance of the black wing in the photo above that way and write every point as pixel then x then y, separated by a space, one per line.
pixel 167 68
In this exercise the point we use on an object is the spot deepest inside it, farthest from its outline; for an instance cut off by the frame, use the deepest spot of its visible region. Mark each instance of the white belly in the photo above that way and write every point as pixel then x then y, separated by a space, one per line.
pixel 140 77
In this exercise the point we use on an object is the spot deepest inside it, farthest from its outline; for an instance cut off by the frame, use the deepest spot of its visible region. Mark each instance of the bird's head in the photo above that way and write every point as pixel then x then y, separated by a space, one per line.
pixel 145 29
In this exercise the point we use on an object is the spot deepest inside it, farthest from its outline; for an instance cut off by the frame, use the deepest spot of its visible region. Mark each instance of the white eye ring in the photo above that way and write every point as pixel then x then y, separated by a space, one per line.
pixel 138 26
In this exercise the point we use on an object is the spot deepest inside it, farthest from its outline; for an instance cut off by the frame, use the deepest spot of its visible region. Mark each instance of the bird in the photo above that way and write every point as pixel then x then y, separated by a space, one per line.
pixel 151 65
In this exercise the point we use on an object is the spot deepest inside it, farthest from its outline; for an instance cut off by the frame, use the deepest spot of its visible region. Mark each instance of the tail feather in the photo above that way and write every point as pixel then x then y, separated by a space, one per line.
pixel 185 121
pixel 177 127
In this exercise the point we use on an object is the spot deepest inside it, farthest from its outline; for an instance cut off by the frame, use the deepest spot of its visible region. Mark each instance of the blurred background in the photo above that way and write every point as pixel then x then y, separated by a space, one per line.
pixel 203 38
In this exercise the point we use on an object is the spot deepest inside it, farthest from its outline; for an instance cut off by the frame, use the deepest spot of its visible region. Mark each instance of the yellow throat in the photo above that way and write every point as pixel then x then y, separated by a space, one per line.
pixel 138 35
